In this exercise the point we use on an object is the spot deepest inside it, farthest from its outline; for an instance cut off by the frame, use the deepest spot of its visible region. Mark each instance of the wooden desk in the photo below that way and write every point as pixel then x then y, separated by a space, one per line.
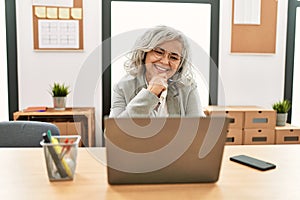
pixel 23 179
pixel 84 115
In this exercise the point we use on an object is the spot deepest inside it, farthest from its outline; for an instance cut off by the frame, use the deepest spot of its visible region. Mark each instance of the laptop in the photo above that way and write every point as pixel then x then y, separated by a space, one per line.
pixel 164 150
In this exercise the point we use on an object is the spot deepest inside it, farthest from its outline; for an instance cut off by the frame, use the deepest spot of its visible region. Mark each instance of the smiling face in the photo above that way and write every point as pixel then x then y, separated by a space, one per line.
pixel 163 60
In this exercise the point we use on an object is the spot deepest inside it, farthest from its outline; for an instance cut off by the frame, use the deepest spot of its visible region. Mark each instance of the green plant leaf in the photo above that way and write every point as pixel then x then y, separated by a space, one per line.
pixel 59 90
pixel 282 106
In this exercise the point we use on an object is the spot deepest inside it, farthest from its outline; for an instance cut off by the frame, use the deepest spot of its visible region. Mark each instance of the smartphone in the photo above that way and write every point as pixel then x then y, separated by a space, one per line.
pixel 253 162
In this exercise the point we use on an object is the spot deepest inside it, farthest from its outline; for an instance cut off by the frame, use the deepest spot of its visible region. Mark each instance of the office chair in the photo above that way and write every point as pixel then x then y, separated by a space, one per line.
pixel 24 133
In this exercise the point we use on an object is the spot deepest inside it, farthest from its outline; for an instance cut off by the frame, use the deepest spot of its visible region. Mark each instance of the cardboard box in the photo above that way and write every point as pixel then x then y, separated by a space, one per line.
pixel 236 115
pixel 247 117
pixel 74 128
pixel 62 126
pixel 287 134
pixel 69 128
pixel 234 137
pixel 259 136
pixel 260 118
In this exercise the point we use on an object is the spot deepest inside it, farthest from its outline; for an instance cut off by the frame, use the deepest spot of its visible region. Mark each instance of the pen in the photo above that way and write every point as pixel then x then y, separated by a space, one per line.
pixel 58 149
pixel 66 142
pixel 57 162
pixel 65 149
pixel 46 138
pixel 49 135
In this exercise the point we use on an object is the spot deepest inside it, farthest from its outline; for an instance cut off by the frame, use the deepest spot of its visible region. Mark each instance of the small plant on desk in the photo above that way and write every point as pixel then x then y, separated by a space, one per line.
pixel 282 108
pixel 59 93
pixel 59 90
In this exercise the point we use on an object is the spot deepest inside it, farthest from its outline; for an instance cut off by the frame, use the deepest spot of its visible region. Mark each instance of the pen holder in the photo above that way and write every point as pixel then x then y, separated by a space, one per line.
pixel 60 156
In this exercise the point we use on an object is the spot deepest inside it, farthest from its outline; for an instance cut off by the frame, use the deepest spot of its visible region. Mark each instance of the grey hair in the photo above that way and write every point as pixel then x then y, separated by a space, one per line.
pixel 150 39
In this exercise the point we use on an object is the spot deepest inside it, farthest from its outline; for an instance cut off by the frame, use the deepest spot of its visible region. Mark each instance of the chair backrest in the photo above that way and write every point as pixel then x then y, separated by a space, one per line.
pixel 24 133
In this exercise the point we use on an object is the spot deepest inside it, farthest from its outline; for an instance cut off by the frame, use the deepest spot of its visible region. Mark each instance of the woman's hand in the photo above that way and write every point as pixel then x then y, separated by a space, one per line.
pixel 158 84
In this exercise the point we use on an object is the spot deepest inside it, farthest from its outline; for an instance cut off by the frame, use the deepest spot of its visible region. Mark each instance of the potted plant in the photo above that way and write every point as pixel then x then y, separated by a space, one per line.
pixel 59 93
pixel 282 108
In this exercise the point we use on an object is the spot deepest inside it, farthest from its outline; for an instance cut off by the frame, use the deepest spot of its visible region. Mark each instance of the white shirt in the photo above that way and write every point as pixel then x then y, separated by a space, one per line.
pixel 162 110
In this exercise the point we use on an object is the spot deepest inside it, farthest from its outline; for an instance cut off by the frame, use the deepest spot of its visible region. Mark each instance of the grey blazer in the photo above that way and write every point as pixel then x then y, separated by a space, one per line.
pixel 131 99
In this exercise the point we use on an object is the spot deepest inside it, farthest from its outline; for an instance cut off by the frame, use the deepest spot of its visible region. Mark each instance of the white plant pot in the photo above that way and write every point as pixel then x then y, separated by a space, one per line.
pixel 281 119
pixel 59 103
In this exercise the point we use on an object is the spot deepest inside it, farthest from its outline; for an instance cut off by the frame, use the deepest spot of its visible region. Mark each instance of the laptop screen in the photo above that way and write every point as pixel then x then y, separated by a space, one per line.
pixel 164 150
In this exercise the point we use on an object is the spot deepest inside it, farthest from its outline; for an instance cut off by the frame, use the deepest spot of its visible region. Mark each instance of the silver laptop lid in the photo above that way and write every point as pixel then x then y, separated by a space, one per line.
pixel 164 150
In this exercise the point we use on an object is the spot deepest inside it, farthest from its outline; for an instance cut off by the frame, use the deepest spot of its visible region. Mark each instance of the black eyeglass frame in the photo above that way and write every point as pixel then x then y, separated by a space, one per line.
pixel 176 59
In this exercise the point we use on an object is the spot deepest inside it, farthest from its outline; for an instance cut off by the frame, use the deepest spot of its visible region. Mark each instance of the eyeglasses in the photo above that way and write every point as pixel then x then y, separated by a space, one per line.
pixel 159 53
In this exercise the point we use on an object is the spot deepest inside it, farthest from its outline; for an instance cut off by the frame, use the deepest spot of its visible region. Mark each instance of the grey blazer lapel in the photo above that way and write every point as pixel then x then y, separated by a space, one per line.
pixel 173 102
pixel 139 84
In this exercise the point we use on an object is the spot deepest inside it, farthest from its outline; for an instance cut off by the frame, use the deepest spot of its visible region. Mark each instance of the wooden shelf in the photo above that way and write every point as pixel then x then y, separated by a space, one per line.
pixel 84 115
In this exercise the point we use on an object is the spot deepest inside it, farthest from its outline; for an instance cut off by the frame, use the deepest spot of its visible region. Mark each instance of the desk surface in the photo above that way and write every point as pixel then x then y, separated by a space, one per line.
pixel 23 176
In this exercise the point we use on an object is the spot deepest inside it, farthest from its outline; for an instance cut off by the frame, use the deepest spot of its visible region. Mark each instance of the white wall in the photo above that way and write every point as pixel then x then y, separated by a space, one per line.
pixel 247 79
pixel 199 39
pixel 252 79
pixel 3 66
pixel 38 69
pixel 296 84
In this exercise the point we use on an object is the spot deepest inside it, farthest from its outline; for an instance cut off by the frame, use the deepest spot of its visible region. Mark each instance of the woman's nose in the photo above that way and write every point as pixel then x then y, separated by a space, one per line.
pixel 165 59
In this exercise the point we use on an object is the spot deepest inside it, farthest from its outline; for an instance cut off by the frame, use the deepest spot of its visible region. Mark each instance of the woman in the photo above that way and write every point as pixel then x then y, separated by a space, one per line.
pixel 159 82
